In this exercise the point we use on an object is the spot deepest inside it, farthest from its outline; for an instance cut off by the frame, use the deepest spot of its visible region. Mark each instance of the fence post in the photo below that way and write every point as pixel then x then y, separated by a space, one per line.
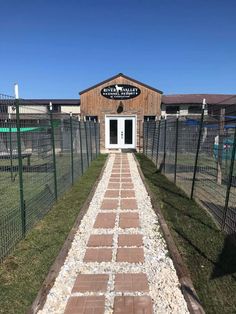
pixel 86 141
pixel 153 138
pixel 20 168
pixel 198 148
pixel 10 140
pixel 143 124
pixel 158 139
pixel 139 136
pixel 71 148
pixel 220 145
pixel 90 139
pixel 176 144
pixel 229 183
pixel 95 137
pixel 53 151
pixel 99 136
pixel 81 148
pixel 147 135
pixel 164 157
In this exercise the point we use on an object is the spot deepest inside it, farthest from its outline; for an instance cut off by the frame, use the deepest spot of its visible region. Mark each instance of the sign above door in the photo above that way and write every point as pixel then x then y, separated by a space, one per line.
pixel 120 91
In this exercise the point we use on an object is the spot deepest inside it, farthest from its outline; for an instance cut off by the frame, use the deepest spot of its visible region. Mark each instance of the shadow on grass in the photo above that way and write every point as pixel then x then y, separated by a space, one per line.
pixel 182 212
pixel 226 261
pixel 163 185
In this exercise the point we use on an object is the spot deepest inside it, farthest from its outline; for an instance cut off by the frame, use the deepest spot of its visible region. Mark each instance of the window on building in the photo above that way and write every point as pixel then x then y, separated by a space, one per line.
pixel 149 118
pixel 194 109
pixel 3 108
pixel 172 109
pixel 92 118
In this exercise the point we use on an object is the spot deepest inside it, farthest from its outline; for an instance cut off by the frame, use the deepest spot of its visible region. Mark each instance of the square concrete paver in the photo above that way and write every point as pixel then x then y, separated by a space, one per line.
pixel 133 305
pixel 113 186
pixel 127 185
pixel 98 255
pixel 112 180
pixel 127 193
pixel 126 180
pixel 131 282
pixel 112 193
pixel 96 240
pixel 128 203
pixel 109 204
pixel 115 175
pixel 125 175
pixel 91 283
pixel 129 220
pixel 125 165
pixel 130 255
pixel 130 240
pixel 125 169
pixel 85 305
pixel 105 220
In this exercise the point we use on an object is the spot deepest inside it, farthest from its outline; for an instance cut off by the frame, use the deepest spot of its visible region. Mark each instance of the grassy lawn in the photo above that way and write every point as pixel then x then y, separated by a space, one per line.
pixel 22 273
pixel 208 253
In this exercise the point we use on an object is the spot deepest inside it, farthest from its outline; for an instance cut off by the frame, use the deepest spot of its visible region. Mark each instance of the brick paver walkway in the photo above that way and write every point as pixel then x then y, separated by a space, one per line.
pixel 118 262
pixel 118 210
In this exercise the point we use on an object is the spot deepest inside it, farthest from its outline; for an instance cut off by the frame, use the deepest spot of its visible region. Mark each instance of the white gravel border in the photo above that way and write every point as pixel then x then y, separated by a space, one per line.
pixel 163 281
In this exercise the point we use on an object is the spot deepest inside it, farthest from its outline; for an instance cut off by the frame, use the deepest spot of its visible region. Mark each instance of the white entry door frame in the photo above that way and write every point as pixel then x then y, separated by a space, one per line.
pixel 120 131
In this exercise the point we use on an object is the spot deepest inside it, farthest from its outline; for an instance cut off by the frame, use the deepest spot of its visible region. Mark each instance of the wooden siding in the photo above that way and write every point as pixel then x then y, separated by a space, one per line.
pixel 148 103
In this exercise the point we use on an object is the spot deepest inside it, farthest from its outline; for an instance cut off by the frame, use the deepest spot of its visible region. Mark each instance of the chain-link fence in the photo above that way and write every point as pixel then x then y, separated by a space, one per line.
pixel 198 154
pixel 41 155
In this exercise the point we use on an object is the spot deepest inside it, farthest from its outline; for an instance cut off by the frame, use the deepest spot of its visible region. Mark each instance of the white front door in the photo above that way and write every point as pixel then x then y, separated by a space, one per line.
pixel 120 132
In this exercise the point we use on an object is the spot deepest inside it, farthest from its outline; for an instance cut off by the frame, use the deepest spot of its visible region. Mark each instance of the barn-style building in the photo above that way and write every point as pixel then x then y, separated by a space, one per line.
pixel 120 103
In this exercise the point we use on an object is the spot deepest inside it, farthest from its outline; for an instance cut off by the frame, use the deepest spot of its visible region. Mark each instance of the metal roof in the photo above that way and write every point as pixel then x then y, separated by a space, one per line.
pixel 45 102
pixel 211 99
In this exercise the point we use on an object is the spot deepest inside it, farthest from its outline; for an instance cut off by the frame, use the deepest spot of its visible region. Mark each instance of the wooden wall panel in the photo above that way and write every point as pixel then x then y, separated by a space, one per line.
pixel 92 103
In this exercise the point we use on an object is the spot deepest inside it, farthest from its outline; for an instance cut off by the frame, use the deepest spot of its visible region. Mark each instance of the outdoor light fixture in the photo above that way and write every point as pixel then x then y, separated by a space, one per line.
pixel 120 107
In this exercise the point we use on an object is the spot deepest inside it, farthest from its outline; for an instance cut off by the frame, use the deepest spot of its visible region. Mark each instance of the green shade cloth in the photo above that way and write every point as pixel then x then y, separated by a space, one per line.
pixel 14 130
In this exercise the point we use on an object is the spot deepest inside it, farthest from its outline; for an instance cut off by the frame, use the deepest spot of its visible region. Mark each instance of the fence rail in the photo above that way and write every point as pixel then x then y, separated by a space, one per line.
pixel 41 155
pixel 199 155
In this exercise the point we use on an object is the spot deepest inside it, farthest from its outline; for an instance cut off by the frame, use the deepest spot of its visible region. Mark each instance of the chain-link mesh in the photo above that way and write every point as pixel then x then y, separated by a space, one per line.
pixel 198 154
pixel 41 154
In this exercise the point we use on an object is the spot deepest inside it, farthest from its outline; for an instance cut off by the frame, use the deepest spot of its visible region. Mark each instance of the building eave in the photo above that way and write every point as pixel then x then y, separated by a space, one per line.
pixel 124 76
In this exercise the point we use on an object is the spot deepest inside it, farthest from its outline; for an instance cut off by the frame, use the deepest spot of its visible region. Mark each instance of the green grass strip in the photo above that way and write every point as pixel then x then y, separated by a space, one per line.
pixel 209 254
pixel 23 272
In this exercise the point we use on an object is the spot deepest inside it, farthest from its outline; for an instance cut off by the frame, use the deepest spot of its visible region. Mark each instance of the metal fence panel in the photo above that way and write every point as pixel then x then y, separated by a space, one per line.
pixel 10 214
pixel 41 154
pixel 199 154
pixel 187 146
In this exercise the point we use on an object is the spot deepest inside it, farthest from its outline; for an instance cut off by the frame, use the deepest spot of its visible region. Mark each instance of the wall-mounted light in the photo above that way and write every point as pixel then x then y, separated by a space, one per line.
pixel 120 107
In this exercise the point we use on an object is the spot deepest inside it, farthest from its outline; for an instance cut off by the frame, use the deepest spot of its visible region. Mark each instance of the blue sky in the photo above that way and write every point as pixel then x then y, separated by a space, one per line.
pixel 55 48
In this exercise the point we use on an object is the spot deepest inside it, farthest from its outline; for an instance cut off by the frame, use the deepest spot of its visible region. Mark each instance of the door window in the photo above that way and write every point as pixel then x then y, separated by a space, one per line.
pixel 113 132
pixel 128 131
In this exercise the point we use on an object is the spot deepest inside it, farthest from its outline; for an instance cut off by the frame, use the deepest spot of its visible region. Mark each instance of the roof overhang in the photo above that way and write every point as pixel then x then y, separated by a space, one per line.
pixel 45 102
pixel 124 76
pixel 195 99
